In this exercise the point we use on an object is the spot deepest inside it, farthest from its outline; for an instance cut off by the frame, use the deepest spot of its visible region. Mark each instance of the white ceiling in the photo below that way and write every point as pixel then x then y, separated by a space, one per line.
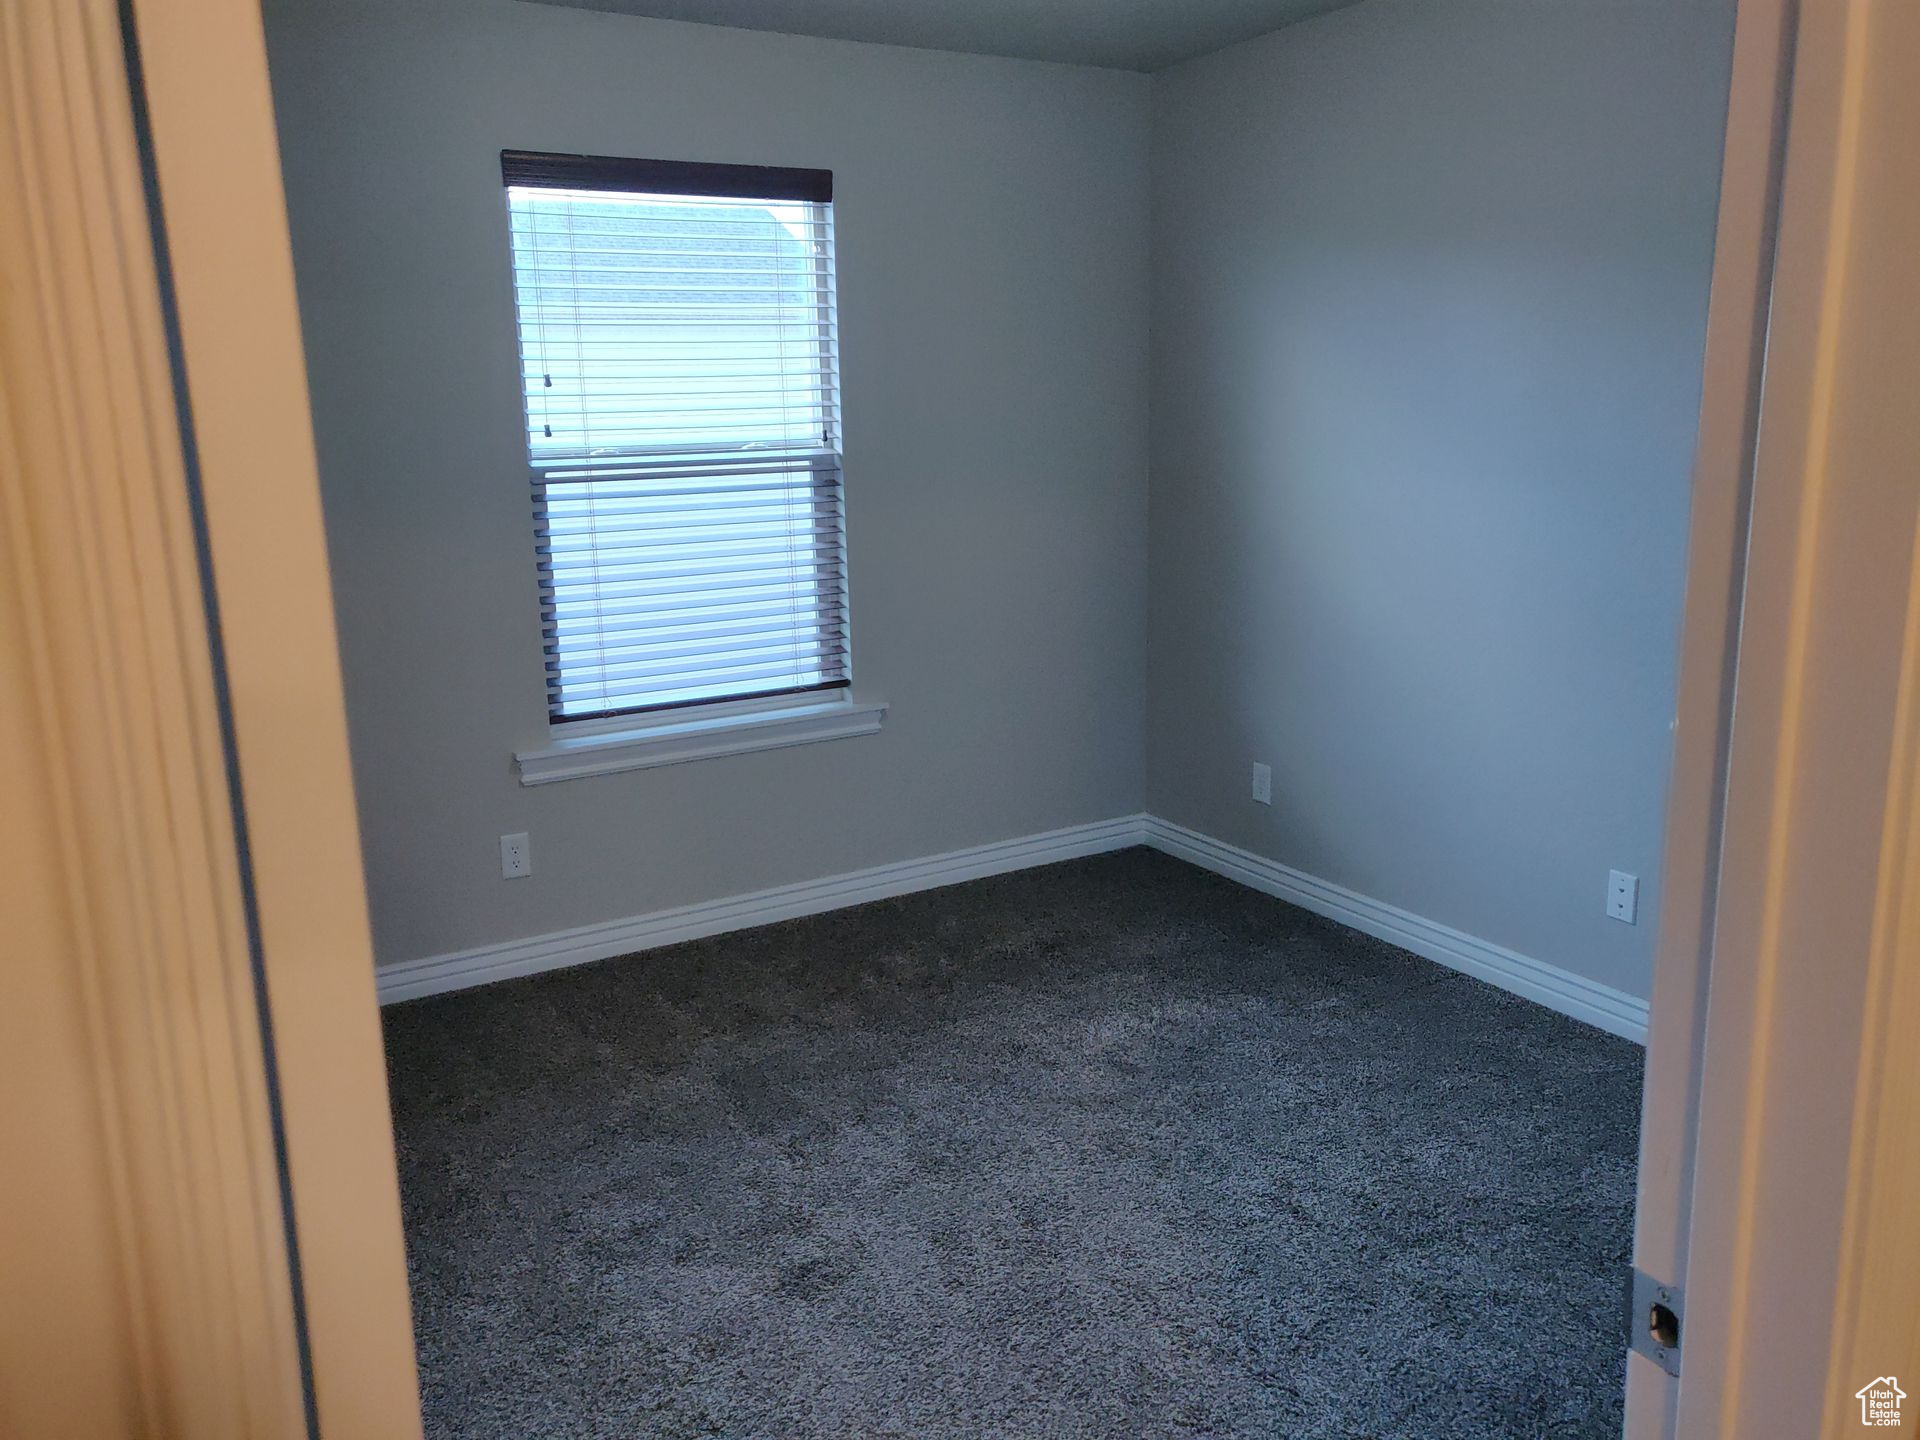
pixel 1126 34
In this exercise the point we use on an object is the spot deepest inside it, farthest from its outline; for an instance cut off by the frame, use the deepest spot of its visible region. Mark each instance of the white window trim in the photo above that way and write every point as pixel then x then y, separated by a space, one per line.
pixel 672 737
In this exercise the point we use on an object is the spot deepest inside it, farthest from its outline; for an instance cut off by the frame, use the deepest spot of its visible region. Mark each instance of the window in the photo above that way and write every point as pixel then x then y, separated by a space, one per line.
pixel 679 362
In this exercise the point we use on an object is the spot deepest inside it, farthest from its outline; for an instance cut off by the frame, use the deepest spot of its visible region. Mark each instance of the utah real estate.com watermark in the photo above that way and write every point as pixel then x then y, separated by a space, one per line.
pixel 1880 1401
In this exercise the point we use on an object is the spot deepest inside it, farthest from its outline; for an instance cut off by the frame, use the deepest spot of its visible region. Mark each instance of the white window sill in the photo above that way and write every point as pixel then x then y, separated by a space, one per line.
pixel 645 744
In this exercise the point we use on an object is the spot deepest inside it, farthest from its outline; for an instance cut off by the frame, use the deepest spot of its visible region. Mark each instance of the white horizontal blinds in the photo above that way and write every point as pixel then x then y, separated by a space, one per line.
pixel 679 362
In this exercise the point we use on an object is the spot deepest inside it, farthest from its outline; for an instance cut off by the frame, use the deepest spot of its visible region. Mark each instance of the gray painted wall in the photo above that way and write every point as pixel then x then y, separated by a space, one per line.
pixel 992 229
pixel 1427 302
pixel 1430 287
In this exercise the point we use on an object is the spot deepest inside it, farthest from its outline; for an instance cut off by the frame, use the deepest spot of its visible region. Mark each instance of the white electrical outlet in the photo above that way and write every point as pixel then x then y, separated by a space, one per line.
pixel 516 856
pixel 1263 784
pixel 1623 896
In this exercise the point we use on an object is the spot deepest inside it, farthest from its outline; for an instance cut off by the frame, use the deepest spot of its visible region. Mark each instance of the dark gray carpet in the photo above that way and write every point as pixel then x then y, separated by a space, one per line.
pixel 1113 1148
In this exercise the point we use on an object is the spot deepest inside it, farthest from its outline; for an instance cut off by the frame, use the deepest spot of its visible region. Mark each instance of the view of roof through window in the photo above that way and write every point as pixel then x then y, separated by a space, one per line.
pixel 660 322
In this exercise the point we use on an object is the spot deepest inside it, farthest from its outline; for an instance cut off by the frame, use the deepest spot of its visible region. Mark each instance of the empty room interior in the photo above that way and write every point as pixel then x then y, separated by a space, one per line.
pixel 1011 675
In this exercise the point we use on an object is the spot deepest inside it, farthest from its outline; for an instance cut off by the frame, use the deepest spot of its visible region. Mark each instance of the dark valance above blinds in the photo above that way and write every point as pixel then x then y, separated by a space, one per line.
pixel 666 177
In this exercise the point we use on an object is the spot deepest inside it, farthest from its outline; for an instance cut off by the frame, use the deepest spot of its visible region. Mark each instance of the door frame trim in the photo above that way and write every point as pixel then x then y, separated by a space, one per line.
pixel 1774 1161
pixel 1736 340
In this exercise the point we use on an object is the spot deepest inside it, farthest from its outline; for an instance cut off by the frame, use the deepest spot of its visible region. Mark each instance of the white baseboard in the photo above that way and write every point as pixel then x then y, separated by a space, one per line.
pixel 1611 1010
pixel 1557 989
pixel 412 979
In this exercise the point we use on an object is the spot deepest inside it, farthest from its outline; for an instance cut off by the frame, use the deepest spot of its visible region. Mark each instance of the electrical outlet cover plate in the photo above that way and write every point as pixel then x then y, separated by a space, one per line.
pixel 516 856
pixel 1263 784
pixel 1623 896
